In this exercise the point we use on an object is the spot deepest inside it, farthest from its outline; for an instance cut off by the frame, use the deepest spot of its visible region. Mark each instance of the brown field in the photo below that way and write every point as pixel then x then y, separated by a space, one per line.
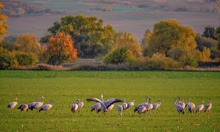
pixel 126 18
pixel 133 22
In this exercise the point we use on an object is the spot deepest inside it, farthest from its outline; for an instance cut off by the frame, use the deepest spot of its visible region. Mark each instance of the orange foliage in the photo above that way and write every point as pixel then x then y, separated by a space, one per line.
pixel 61 46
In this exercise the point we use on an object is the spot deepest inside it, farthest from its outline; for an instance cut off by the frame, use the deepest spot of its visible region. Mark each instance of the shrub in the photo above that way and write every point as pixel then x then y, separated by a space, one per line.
pixel 6 59
pixel 118 56
pixel 156 62
pixel 190 61
pixel 25 59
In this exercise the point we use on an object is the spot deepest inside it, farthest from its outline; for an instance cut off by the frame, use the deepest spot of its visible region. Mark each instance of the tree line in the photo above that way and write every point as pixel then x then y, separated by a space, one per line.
pixel 169 45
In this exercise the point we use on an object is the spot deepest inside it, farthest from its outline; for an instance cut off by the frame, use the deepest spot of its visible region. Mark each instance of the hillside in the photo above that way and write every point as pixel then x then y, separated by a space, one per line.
pixel 24 7
pixel 134 16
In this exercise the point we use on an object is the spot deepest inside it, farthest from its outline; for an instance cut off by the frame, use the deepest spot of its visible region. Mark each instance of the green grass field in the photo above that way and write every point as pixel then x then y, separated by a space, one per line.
pixel 64 87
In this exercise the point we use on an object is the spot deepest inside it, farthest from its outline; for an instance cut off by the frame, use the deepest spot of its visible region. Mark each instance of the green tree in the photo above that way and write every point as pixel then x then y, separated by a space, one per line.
pixel 209 32
pixel 90 37
pixel 3 25
pixel 204 42
pixel 26 59
pixel 7 59
pixel 118 56
pixel 217 35
pixel 8 43
pixel 145 42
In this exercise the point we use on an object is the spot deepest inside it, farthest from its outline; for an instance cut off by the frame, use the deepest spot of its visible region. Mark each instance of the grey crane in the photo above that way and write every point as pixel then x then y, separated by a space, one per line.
pixel 124 105
pixel 38 104
pixel 30 105
pixel 80 104
pixel 200 107
pixel 149 106
pixel 46 107
pixel 140 105
pixel 97 106
pixel 208 106
pixel 142 109
pixel 146 107
pixel 120 109
pixel 12 105
pixel 178 107
pixel 23 107
pixel 181 103
pixel 74 107
pixel 156 105
pixel 190 106
pixel 130 104
pixel 109 108
pixel 105 104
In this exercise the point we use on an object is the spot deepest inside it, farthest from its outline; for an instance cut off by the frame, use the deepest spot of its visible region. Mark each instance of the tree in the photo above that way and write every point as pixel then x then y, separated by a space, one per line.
pixel 25 59
pixel 126 40
pixel 118 56
pixel 203 42
pixel 7 59
pixel 28 43
pixel 217 35
pixel 3 25
pixel 90 37
pixel 61 49
pixel 209 32
pixel 145 42
pixel 173 40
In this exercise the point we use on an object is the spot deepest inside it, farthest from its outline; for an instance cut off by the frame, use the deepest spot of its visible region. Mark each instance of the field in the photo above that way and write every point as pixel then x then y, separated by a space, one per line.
pixel 64 87
pixel 123 18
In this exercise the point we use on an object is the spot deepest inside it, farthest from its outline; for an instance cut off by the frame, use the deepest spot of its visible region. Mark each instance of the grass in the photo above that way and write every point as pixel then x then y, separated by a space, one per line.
pixel 64 87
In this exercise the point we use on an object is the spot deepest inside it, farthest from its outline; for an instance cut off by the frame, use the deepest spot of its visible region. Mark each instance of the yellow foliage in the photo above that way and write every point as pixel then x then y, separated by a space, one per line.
pixel 126 40
pixel 3 25
pixel 29 43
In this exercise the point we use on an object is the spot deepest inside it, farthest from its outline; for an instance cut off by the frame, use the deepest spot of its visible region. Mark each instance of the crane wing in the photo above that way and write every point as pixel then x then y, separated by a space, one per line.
pixel 112 101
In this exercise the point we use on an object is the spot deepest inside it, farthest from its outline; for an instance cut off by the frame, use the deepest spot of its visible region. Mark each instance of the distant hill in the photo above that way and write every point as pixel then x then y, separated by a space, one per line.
pixel 133 16
pixel 24 7
pixel 15 8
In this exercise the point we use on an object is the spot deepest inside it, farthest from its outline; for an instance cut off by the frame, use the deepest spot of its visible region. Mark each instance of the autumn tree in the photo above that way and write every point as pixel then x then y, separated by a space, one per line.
pixel 3 25
pixel 28 43
pixel 127 48
pixel 126 40
pixel 61 49
pixel 173 40
pixel 90 36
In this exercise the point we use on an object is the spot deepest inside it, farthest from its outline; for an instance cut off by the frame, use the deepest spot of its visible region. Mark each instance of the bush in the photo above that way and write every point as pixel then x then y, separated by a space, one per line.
pixel 190 61
pixel 157 62
pixel 6 59
pixel 119 56
pixel 25 59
